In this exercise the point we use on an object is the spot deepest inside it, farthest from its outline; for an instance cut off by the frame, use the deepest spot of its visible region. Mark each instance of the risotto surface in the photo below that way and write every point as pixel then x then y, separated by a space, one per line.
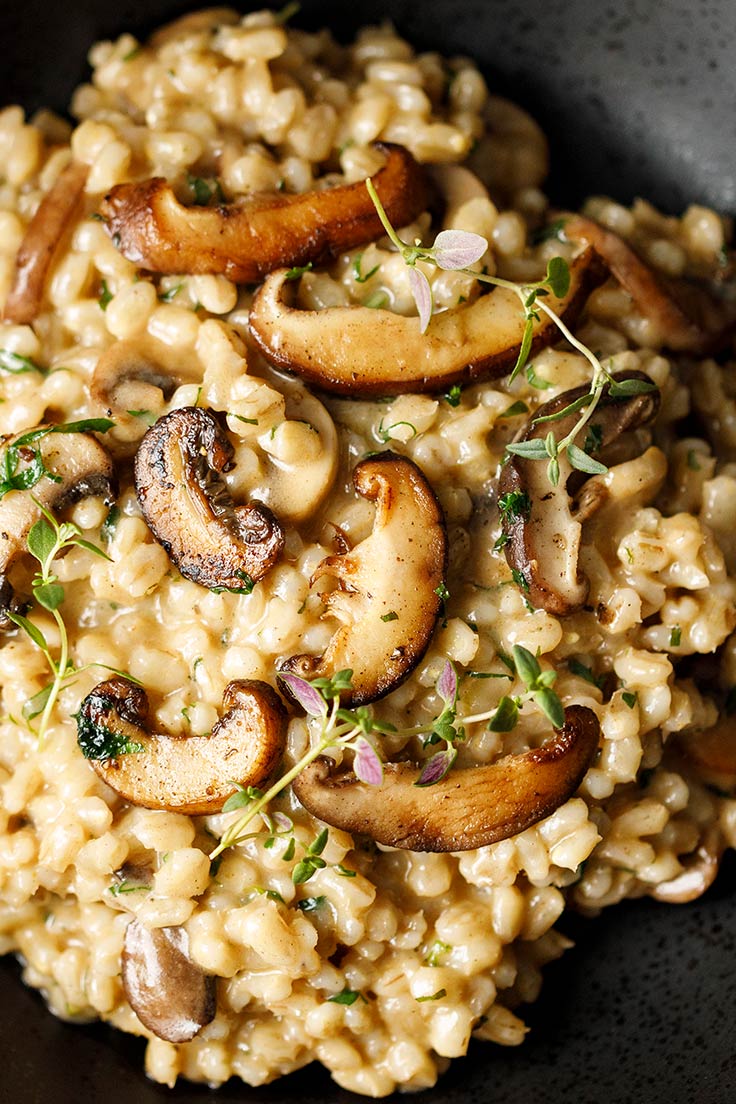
pixel 385 961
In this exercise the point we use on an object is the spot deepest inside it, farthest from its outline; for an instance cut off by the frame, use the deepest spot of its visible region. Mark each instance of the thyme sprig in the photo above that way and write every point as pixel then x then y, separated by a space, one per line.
pixel 48 539
pixel 357 730
pixel 457 250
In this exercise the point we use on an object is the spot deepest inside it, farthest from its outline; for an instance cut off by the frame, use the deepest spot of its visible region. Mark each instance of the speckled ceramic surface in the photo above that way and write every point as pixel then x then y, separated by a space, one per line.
pixel 638 98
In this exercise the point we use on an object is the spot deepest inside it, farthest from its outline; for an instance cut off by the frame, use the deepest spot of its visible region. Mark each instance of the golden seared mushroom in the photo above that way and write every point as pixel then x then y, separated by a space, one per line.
pixel 698 874
pixel 212 541
pixel 83 468
pixel 365 351
pixel 543 532
pixel 386 601
pixel 204 19
pixel 247 239
pixel 713 752
pixel 686 319
pixel 468 808
pixel 183 774
pixel 171 996
pixel 128 378
pixel 41 240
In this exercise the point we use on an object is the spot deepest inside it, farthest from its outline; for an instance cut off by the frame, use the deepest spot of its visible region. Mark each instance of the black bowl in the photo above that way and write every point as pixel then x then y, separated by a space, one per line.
pixel 638 99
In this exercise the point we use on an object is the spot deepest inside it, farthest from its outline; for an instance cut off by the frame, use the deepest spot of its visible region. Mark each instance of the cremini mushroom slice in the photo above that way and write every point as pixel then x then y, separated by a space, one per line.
pixel 246 240
pixel 386 600
pixel 183 774
pixel 83 467
pixel 687 320
pixel 364 351
pixel 698 874
pixel 212 541
pixel 171 996
pixel 713 752
pixel 128 381
pixel 204 19
pixel 41 239
pixel 468 808
pixel 543 532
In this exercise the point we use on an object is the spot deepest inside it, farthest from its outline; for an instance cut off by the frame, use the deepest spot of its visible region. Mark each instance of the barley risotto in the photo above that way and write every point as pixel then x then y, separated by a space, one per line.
pixel 356 618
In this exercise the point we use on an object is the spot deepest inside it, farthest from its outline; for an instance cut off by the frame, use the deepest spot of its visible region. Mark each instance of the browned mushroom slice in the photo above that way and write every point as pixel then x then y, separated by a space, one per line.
pixel 387 600
pixel 543 533
pixel 82 467
pixel 665 304
pixel 713 752
pixel 171 996
pixel 698 874
pixel 126 378
pixel 189 511
pixel 363 351
pixel 40 242
pixel 469 808
pixel 184 774
pixel 246 240
pixel 204 19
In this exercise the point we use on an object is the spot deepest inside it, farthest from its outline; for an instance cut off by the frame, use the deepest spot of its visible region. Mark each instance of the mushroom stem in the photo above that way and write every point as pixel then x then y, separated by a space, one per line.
pixel 468 808
pixel 677 330
pixel 40 242
pixel 244 241
pixel 543 534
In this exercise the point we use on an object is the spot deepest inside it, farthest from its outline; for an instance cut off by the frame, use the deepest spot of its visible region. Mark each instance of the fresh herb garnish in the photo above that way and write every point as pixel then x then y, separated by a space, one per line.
pixel 298 271
pixel 362 278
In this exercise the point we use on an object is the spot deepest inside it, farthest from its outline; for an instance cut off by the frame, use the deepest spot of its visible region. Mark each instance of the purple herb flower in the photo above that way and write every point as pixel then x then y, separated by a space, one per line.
pixel 366 764
pixel 309 699
pixel 458 248
pixel 422 293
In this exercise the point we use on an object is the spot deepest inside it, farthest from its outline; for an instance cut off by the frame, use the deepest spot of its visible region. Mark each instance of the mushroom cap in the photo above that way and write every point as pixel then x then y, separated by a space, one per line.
pixel 468 808
pixel 128 377
pixel 244 241
pixel 189 510
pixel 84 468
pixel 387 600
pixel 364 351
pixel 170 994
pixel 544 536
pixel 183 774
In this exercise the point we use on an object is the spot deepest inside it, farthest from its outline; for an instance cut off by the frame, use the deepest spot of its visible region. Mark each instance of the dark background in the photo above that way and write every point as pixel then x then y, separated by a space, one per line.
pixel 638 98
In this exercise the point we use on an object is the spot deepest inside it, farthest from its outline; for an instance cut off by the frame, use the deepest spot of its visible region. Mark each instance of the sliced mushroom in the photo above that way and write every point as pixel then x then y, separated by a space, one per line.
pixel 468 808
pixel 128 377
pixel 204 19
pixel 544 534
pixel 387 600
pixel 171 996
pixel 40 243
pixel 184 774
pixel 363 351
pixel 713 751
pixel 188 509
pixel 673 307
pixel 246 240
pixel 83 467
pixel 699 872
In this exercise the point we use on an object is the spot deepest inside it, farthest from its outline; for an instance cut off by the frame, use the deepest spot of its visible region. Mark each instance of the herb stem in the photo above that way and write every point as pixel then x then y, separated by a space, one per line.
pixel 58 669
pixel 381 212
